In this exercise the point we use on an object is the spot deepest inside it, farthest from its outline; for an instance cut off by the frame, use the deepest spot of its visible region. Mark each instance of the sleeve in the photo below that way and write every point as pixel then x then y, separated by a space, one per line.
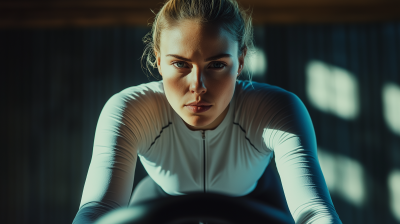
pixel 290 134
pixel 111 172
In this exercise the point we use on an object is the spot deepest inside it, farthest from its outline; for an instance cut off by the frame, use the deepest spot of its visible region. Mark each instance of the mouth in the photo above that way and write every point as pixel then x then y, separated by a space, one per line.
pixel 198 108
pixel 198 104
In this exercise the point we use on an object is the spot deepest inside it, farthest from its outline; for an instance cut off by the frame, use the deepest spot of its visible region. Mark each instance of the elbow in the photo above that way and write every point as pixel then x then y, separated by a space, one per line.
pixel 91 212
pixel 319 216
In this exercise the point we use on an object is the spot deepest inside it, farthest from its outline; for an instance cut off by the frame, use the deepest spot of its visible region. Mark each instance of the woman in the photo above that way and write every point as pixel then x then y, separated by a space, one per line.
pixel 202 130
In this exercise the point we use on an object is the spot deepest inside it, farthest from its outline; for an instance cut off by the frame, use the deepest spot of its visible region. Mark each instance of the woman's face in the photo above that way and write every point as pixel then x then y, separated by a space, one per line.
pixel 199 64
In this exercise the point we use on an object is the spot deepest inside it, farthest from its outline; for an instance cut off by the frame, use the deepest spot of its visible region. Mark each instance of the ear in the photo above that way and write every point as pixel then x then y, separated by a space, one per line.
pixel 158 60
pixel 241 61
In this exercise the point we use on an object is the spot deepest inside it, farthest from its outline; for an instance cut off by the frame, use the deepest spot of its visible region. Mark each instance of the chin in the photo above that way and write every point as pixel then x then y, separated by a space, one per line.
pixel 197 122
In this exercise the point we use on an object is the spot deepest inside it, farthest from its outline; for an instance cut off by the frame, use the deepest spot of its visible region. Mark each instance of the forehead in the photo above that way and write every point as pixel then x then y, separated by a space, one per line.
pixel 193 39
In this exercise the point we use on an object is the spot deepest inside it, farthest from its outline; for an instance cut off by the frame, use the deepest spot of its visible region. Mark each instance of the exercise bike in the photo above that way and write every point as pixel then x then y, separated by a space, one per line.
pixel 197 208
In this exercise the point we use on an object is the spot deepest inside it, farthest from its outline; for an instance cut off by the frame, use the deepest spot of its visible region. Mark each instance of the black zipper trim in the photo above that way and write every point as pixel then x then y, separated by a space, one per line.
pixel 204 165
pixel 204 161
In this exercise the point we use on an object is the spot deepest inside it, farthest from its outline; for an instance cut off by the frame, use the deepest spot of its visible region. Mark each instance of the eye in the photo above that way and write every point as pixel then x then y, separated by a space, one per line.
pixel 219 64
pixel 179 63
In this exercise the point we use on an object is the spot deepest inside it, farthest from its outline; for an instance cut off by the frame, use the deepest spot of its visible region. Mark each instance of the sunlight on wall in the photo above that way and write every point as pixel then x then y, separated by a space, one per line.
pixel 391 106
pixel 394 193
pixel 332 89
pixel 344 177
pixel 258 63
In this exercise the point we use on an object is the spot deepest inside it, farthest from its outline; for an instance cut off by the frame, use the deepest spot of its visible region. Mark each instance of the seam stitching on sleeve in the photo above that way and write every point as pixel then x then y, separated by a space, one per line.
pixel 246 136
pixel 166 126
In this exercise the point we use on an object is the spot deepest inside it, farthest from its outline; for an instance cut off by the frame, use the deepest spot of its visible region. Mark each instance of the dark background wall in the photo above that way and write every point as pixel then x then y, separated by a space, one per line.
pixel 56 81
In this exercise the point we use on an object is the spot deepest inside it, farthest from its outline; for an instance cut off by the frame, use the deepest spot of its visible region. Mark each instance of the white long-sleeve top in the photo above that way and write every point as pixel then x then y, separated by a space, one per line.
pixel 262 120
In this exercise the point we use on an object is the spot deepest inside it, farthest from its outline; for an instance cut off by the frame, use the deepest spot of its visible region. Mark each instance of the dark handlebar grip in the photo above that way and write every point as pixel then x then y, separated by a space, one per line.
pixel 210 207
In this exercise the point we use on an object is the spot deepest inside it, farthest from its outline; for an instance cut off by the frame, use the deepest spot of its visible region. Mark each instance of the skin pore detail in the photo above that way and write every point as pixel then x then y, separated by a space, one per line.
pixel 199 63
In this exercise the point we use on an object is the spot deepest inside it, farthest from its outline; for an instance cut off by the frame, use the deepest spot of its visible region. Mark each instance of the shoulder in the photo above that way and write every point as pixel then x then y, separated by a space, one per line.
pixel 145 96
pixel 262 106
pixel 146 91
pixel 142 109
pixel 252 96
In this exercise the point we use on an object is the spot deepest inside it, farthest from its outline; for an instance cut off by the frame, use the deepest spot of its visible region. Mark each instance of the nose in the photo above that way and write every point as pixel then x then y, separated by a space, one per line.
pixel 197 82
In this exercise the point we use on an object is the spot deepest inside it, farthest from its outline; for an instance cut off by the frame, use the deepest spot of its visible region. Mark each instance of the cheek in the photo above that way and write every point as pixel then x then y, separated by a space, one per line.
pixel 224 83
pixel 173 89
pixel 222 90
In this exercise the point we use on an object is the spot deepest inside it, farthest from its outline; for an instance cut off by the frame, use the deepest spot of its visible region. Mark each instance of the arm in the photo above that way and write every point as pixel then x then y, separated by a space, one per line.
pixel 110 176
pixel 291 136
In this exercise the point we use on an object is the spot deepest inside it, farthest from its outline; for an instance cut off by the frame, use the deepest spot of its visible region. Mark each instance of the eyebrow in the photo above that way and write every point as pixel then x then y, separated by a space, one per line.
pixel 208 59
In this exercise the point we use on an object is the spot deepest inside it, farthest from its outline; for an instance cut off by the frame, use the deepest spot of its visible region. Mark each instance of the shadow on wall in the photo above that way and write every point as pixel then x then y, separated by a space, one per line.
pixel 335 90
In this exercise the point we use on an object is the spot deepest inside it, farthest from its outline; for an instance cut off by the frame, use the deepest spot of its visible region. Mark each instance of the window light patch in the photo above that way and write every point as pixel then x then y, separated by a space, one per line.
pixel 344 177
pixel 391 106
pixel 332 89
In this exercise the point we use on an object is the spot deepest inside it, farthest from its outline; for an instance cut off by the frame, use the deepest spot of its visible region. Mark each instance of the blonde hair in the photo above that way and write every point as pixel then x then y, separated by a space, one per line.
pixel 226 13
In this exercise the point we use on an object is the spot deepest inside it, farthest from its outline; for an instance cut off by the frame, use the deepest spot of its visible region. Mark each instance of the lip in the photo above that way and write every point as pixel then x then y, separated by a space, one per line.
pixel 200 103
pixel 197 108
